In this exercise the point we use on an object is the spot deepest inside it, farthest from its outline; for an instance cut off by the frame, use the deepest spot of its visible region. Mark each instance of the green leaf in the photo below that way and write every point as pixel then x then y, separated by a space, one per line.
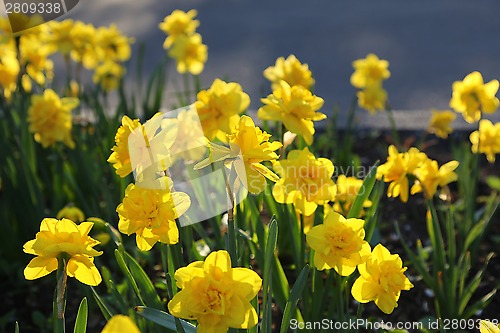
pixel 364 192
pixel 295 294
pixel 123 266
pixel 493 182
pixel 146 287
pixel 473 234
pixel 81 317
pixel 281 288
pixel 272 239
pixel 436 237
pixel 164 319
pixel 105 309
pixel 417 259
pixel 16 328
pixel 473 285
pixel 480 304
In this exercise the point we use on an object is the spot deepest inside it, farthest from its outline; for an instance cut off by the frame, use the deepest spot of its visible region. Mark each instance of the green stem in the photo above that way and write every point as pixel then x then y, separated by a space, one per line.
pixel 421 140
pixel 302 240
pixel 394 129
pixel 340 297
pixel 67 62
pixel 197 83
pixel 231 228
pixel 60 296
pixel 186 89
pixel 169 269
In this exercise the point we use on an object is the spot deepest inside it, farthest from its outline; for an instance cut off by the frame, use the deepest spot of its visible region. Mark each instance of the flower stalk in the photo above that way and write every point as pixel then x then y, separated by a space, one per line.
pixel 60 295
pixel 231 228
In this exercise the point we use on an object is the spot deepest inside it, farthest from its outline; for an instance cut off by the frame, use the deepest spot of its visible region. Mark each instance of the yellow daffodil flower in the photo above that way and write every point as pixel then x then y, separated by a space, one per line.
pixel 120 324
pixel 9 67
pixel 440 123
pixel 397 168
pixel 429 176
pixel 472 96
pixel 296 107
pixel 71 213
pixel 190 143
pixel 290 70
pixel 151 215
pixel 338 243
pixel 108 74
pixel 254 148
pixel 216 295
pixel 306 181
pixel 59 36
pixel 50 118
pixel 120 158
pixel 85 49
pixel 177 24
pixel 249 146
pixel 219 108
pixel 190 54
pixel 113 45
pixel 382 280
pixel 63 239
pixel 347 191
pixel 369 71
pixel 373 98
pixel 34 55
pixel 486 140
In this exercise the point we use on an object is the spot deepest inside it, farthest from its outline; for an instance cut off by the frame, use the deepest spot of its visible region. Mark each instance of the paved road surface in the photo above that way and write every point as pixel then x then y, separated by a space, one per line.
pixel 429 44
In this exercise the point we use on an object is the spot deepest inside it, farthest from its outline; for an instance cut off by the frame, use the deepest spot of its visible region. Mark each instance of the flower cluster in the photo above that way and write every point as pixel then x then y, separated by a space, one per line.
pixel 151 206
pixel 183 42
pixel 213 292
pixel 339 243
pixel 102 49
pixel 426 173
pixel 369 74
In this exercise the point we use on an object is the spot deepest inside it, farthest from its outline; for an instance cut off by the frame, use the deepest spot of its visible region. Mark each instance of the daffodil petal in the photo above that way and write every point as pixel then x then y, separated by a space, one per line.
pixel 84 270
pixel 39 267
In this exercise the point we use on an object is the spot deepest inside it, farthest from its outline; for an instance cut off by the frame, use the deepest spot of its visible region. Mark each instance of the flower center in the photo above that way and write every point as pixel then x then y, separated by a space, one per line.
pixel 214 301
